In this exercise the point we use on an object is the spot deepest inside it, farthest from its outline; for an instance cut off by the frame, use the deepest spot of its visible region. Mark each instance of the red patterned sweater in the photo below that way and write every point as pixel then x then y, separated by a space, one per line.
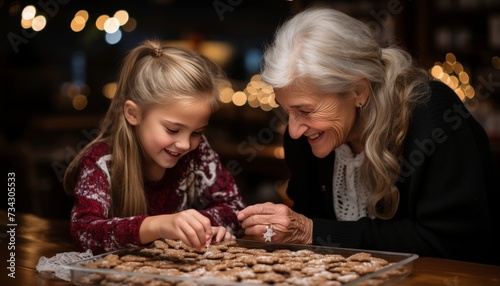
pixel 197 181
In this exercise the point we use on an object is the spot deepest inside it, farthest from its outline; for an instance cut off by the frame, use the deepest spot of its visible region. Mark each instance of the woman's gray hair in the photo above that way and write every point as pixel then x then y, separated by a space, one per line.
pixel 320 44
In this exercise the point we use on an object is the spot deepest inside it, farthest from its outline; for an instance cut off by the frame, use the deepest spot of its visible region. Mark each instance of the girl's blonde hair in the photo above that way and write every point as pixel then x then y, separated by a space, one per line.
pixel 150 75
pixel 335 52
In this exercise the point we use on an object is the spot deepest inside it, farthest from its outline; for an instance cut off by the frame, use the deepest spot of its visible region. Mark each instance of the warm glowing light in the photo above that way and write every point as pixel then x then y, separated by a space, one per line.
pixel 73 90
pixel 79 102
pixel 437 71
pixel 99 23
pixel 14 8
pixel 261 95
pixel 226 94
pixel 79 20
pixel 130 25
pixel 39 23
pixel 256 77
pixel 464 77
pixel 111 25
pixel 460 94
pixel 256 94
pixel 451 72
pixel 458 68
pixel 447 67
pixel 29 12
pixel 239 98
pixel 251 89
pixel 84 14
pixel 272 100
pixel 26 24
pixel 267 88
pixel 469 91
pixel 109 90
pixel 453 82
pixel 253 101
pixel 279 152
pixel 446 78
pixel 77 24
pixel 450 58
pixel 121 16
pixel 265 106
pixel 495 62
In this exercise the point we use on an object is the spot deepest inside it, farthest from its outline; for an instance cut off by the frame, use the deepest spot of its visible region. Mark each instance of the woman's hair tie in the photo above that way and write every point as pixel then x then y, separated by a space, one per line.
pixel 156 52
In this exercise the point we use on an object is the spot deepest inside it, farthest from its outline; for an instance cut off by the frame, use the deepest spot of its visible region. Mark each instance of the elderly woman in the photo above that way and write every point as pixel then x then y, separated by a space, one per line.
pixel 380 156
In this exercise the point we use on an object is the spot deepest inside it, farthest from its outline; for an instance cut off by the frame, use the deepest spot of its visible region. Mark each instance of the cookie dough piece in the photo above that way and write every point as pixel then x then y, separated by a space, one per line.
pixel 237 249
pixel 152 252
pixel 214 255
pixel 264 259
pixel 148 269
pixel 347 277
pixel 262 268
pixel 161 244
pixel 173 254
pixel 360 257
pixel 90 279
pixel 271 277
pixel 133 258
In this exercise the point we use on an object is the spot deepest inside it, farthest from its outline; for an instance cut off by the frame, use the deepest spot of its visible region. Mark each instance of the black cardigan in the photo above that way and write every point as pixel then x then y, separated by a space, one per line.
pixel 448 184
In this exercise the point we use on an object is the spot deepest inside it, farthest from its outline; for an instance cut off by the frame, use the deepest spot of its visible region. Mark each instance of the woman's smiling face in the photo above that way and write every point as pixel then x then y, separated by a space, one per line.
pixel 327 120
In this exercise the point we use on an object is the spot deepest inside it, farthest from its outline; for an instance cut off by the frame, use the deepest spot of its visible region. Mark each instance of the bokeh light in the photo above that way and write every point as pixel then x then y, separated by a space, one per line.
pixel 29 12
pixel 109 90
pixel 113 38
pixel 79 102
pixel 452 73
pixel 130 25
pixel 99 23
pixel 239 98
pixel 39 22
pixel 121 16
pixel 111 25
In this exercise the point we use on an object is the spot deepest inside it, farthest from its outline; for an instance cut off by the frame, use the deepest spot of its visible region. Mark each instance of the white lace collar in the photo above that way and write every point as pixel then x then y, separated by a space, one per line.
pixel 349 195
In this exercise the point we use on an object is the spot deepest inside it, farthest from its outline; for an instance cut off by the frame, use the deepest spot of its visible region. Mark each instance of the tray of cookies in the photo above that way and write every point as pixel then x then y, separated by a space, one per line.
pixel 242 262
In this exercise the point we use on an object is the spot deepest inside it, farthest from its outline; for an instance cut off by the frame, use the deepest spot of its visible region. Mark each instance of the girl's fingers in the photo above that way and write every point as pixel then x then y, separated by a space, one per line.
pixel 197 229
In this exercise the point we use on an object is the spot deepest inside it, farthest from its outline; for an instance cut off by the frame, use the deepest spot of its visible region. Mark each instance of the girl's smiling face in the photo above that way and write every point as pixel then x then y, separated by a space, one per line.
pixel 327 120
pixel 167 132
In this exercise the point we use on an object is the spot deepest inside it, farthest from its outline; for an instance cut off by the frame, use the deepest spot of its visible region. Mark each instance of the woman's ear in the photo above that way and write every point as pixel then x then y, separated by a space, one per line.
pixel 362 91
pixel 132 112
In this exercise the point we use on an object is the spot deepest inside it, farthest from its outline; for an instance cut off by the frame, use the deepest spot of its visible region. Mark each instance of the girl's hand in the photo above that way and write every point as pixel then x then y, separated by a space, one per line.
pixel 189 226
pixel 220 234
pixel 287 225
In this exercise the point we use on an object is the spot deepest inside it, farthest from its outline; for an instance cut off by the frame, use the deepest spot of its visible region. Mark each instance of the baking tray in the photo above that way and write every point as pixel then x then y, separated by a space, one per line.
pixel 399 267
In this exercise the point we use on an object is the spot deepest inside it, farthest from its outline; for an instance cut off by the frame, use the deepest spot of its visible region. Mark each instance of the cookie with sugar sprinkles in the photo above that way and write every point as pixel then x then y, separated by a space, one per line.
pixel 176 244
pixel 237 249
pixel 360 256
pixel 161 244
pixel 133 258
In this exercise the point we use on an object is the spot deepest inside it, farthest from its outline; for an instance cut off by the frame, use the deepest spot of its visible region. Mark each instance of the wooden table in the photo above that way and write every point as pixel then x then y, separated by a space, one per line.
pixel 36 237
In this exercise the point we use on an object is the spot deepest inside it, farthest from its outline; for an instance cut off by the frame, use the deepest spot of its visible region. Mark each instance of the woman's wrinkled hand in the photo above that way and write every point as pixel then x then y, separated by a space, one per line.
pixel 289 226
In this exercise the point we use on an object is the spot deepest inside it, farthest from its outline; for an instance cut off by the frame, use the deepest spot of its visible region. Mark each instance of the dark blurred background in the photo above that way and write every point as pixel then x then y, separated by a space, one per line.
pixel 58 67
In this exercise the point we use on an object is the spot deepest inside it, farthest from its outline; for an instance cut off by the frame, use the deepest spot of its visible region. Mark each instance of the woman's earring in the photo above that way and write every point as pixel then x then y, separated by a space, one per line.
pixel 360 106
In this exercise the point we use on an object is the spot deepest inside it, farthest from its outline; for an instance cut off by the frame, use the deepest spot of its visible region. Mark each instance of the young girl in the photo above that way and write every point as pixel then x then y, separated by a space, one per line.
pixel 150 172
